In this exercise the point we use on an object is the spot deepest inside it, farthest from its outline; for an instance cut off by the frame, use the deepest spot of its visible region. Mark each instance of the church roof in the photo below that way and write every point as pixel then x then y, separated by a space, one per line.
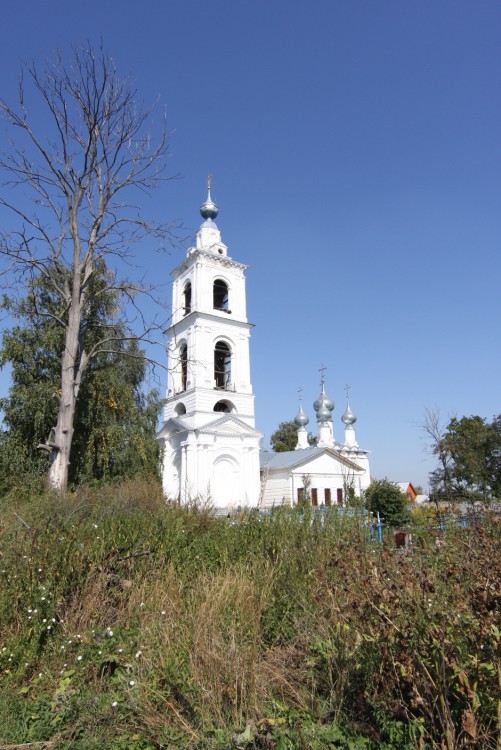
pixel 291 459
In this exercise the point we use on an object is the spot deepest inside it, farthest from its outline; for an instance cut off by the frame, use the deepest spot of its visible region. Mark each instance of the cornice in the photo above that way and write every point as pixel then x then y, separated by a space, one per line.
pixel 221 260
pixel 190 320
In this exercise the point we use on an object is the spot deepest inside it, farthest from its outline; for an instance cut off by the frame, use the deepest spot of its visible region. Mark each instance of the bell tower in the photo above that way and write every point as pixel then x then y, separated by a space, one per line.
pixel 208 388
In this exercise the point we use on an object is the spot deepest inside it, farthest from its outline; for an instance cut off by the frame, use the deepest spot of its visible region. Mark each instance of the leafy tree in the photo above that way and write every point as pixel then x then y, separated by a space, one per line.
pixel 474 447
pixel 285 437
pixel 385 498
pixel 81 173
pixel 114 421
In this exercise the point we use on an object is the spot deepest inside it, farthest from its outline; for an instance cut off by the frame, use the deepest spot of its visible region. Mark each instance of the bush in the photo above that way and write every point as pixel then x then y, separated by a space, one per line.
pixel 384 497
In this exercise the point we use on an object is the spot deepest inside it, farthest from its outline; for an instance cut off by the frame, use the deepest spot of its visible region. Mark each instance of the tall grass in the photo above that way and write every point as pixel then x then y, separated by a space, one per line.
pixel 126 622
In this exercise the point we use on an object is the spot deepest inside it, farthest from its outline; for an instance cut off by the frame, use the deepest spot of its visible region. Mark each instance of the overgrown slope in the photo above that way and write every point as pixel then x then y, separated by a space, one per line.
pixel 128 623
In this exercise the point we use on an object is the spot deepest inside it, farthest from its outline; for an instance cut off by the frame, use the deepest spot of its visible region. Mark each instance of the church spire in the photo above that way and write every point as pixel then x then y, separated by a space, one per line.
pixel 209 209
pixel 324 407
pixel 209 236
pixel 301 420
pixel 349 420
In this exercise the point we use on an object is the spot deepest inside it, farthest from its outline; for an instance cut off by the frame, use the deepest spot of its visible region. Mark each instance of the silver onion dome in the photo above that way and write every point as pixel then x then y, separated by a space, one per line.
pixel 323 407
pixel 301 419
pixel 348 417
pixel 209 209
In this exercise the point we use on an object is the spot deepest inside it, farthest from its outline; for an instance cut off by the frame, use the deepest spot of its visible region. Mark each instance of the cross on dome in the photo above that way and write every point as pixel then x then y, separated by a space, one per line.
pixel 209 209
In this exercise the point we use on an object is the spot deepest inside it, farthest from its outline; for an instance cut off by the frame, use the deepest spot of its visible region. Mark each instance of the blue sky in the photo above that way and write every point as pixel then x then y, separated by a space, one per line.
pixel 356 154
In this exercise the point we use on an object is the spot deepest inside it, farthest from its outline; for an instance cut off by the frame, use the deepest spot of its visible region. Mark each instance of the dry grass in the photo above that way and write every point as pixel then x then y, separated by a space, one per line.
pixel 217 625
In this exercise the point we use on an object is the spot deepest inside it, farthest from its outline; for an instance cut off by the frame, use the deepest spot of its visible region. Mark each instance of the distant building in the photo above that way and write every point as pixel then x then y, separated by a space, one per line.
pixel 209 440
pixel 408 489
pixel 328 473
pixel 412 496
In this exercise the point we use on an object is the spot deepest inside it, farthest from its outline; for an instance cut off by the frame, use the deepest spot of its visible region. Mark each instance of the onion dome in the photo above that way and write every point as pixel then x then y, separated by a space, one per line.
pixel 209 210
pixel 348 417
pixel 323 406
pixel 301 419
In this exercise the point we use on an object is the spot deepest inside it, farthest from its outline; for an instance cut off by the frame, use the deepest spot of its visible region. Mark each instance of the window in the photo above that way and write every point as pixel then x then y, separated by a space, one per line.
pixel 220 295
pixel 300 494
pixel 184 366
pixel 314 496
pixel 222 365
pixel 327 496
pixel 187 298
pixel 223 406
pixel 339 496
pixel 180 410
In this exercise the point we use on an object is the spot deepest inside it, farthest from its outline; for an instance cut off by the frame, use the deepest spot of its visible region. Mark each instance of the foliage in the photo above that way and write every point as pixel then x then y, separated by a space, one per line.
pixel 285 437
pixel 114 422
pixel 80 170
pixel 475 450
pixel 469 452
pixel 129 623
pixel 385 498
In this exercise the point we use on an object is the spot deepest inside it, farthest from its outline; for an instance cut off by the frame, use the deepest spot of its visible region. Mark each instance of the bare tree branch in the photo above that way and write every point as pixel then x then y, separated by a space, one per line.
pixel 81 174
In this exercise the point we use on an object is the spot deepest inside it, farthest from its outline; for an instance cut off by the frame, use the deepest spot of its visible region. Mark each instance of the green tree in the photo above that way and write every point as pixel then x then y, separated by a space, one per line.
pixel 114 421
pixel 285 437
pixel 82 171
pixel 385 498
pixel 474 447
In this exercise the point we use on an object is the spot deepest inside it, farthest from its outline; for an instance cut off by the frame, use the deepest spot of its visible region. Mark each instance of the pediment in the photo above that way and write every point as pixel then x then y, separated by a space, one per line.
pixel 170 427
pixel 228 425
pixel 322 458
pixel 327 458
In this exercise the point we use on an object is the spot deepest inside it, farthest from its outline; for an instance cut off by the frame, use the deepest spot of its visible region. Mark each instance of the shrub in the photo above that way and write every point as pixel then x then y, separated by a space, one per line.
pixel 384 497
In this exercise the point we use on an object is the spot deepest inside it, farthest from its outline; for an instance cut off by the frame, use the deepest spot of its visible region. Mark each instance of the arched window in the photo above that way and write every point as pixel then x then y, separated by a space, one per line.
pixel 184 366
pixel 187 298
pixel 226 407
pixel 180 409
pixel 220 295
pixel 222 365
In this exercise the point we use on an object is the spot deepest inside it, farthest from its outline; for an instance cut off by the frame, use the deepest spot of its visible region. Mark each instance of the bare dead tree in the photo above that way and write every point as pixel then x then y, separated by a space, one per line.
pixel 80 170
pixel 433 430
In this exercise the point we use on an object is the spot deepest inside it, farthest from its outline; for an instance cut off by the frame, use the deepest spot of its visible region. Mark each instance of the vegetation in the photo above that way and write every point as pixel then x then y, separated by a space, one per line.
pixel 82 170
pixel 126 622
pixel 285 437
pixel 385 498
pixel 115 422
pixel 468 451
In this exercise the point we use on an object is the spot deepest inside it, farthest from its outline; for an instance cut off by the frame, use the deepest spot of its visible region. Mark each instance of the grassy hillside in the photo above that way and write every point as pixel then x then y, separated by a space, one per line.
pixel 126 623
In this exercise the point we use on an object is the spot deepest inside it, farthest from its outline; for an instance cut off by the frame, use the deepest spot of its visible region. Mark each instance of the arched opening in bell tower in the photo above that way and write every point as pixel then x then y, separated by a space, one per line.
pixel 225 407
pixel 222 365
pixel 187 298
pixel 220 295
pixel 183 353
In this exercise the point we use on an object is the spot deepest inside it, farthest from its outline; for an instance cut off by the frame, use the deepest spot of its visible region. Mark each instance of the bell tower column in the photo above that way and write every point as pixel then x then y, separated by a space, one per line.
pixel 209 436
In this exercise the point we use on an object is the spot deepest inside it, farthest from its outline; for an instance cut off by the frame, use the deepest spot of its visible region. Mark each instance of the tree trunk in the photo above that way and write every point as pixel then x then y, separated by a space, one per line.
pixel 73 364
pixel 60 456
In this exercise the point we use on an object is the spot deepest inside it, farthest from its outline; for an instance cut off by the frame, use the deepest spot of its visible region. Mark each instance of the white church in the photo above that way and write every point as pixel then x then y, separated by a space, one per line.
pixel 210 445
